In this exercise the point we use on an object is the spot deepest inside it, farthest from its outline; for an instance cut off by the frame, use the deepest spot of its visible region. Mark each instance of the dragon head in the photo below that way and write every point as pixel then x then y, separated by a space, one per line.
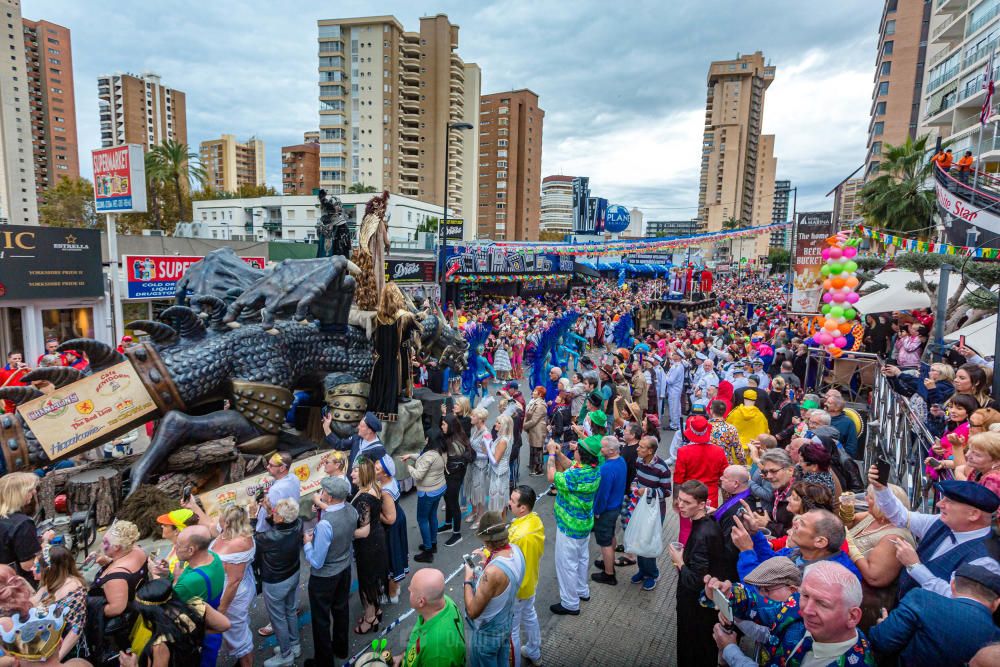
pixel 441 343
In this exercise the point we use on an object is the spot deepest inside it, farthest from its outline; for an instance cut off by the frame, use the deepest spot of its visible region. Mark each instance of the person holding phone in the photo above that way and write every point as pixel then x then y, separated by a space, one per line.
pixel 10 376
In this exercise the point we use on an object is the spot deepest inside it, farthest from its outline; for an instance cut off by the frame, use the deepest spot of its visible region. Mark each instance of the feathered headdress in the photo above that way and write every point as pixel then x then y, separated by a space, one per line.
pixel 377 204
pixel 476 334
pixel 621 331
pixel 547 344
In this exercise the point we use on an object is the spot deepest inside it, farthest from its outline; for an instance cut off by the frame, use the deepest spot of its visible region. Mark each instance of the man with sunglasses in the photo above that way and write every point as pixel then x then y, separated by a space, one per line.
pixel 283 486
pixel 772 484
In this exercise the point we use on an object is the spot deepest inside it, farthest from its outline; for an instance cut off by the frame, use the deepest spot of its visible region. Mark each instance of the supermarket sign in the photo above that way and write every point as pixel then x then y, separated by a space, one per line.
pixel 119 179
pixel 156 276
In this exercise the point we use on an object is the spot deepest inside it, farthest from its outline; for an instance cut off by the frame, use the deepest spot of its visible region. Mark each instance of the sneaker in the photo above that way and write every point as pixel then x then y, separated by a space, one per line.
pixel 296 650
pixel 444 528
pixel 603 577
pixel 453 540
pixel 424 557
pixel 638 578
pixel 584 599
pixel 528 660
pixel 560 610
pixel 279 660
pixel 551 491
pixel 649 584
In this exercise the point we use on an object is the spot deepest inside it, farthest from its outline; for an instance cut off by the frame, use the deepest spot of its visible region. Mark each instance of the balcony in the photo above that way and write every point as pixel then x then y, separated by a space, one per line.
pixel 981 22
pixel 409 79
pixel 952 6
pixel 950 31
pixel 409 105
pixel 273 225
pixel 943 77
pixel 410 63
pixel 406 131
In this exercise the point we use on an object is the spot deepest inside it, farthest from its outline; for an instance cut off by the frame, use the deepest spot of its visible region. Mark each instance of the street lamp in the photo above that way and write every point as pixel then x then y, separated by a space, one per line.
pixel 443 231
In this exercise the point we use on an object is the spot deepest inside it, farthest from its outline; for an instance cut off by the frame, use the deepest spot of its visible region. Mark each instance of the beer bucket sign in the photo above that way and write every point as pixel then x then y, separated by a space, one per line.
pixel 67 419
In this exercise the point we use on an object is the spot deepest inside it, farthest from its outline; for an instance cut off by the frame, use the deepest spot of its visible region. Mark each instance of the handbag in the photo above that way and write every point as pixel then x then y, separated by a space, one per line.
pixel 644 534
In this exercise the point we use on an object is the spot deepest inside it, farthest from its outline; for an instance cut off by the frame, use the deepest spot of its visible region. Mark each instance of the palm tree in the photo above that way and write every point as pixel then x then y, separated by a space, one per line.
pixel 731 223
pixel 173 161
pixel 153 184
pixel 360 188
pixel 898 200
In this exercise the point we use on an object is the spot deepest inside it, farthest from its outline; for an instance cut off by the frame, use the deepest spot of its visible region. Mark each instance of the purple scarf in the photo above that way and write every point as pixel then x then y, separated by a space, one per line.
pixel 742 495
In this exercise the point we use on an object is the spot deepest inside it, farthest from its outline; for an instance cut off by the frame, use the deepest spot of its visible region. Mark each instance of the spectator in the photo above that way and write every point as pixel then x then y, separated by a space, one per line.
pixel 60 584
pixel 365 443
pixel 607 507
pixel 458 451
pixel 171 524
pixel 981 463
pixel 699 459
pixel 19 543
pixel 771 485
pixel 283 486
pixel 438 638
pixel 370 555
pixel 394 523
pixel 816 466
pixel 277 560
pixel 235 548
pixel 844 425
pixel 972 380
pixel 735 486
pixel 930 630
pixel 477 474
pixel 652 476
pixel 701 558
pixel 944 541
pixel 428 472
pixel 499 452
pixel 725 435
pixel 535 427
pixel 491 596
pixel 576 482
pixel 328 550
pixel 787 374
pixel 782 420
pixel 202 577
pixel 11 376
pixel 123 570
pixel 908 348
pixel 527 533
pixel 749 421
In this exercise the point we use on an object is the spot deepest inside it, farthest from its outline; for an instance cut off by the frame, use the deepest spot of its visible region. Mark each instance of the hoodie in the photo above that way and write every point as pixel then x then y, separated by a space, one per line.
pixel 749 422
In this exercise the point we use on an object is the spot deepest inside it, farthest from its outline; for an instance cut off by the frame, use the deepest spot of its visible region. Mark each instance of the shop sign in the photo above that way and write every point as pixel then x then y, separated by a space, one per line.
pixel 409 271
pixel 49 263
pixel 156 276
pixel 811 232
pixel 617 219
pixel 120 179
pixel 496 259
pixel 107 402
pixel 308 471
pixel 455 229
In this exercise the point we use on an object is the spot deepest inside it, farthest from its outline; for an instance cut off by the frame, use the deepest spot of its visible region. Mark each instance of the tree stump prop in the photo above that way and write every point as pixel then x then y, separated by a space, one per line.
pixel 98 486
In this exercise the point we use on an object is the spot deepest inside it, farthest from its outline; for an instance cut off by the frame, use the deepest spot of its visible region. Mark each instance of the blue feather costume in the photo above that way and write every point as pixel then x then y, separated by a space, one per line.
pixel 547 352
pixel 479 367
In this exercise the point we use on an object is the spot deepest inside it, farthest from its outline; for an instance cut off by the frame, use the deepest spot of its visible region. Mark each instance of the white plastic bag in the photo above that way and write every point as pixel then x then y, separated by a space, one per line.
pixel 644 535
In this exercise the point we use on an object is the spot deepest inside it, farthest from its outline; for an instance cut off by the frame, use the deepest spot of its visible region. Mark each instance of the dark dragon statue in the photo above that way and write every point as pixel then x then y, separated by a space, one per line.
pixel 248 336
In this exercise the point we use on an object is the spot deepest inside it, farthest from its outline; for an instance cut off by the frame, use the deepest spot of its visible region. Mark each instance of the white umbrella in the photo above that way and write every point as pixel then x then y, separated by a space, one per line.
pixel 981 336
pixel 895 296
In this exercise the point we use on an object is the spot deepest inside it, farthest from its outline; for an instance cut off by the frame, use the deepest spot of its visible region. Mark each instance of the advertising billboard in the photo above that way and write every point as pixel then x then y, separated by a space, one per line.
pixel 617 219
pixel 492 259
pixel 49 263
pixel 119 179
pixel 455 229
pixel 409 271
pixel 597 211
pixel 156 276
pixel 811 232
pixel 582 223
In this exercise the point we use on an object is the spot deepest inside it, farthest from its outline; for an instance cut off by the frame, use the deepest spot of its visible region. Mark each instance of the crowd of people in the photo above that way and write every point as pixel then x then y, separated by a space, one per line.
pixel 788 549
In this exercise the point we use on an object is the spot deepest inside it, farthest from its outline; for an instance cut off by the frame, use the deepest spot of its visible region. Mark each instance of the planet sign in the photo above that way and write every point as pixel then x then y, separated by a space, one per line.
pixel 617 219
pixel 839 283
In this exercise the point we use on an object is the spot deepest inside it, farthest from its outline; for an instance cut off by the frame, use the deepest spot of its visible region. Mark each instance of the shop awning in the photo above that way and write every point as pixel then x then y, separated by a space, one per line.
pixel 895 296
pixel 980 336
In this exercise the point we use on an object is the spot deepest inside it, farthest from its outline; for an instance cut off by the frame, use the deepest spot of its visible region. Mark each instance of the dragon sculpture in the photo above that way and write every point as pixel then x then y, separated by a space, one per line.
pixel 248 336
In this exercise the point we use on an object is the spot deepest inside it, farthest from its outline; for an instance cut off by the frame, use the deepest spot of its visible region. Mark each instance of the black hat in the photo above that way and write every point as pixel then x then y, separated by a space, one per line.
pixel 980 575
pixel 969 493
pixel 373 422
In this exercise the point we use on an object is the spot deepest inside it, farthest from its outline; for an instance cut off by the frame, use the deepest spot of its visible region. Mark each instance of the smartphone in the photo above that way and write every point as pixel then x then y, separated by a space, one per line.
pixel 325 411
pixel 89 560
pixel 722 604
pixel 961 340
pixel 883 465
pixel 186 493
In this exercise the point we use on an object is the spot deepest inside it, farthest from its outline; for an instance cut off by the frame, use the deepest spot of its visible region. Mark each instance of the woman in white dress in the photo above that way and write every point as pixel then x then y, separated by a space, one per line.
pixel 501 361
pixel 236 548
pixel 477 474
pixel 499 455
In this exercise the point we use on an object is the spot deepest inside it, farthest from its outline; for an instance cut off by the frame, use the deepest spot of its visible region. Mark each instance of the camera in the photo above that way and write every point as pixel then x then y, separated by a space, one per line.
pixel 260 495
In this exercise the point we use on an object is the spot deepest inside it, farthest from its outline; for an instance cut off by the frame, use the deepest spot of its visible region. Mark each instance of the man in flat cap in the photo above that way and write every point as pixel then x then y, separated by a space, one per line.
pixel 366 443
pixel 945 541
pixel 930 630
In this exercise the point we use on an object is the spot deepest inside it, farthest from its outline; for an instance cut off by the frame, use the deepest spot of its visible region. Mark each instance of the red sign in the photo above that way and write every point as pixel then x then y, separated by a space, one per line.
pixel 119 179
pixel 156 276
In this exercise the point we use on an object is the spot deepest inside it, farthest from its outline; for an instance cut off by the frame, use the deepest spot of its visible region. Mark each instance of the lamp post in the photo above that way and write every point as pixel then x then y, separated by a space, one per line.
pixel 443 231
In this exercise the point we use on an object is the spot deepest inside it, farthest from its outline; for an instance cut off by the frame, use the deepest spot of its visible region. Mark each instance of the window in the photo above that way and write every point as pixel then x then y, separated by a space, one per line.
pixel 501 205
pixel 502 163
pixel 887 48
pixel 502 143
pixel 883 88
pixel 501 185
pixel 880 109
pixel 890 27
pixel 290 214
pixel 886 68
pixel 878 128
pixel 877 148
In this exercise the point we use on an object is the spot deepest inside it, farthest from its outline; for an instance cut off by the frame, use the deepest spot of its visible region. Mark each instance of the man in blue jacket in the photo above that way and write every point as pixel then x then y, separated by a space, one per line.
pixel 814 536
pixel 930 630
pixel 607 506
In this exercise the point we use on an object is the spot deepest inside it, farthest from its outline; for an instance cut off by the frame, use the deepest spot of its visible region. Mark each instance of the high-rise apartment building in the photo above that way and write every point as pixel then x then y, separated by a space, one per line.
pixel 229 164
pixel 510 160
pixel 48 57
pixel 656 229
pixel 18 205
pixel 763 205
pixel 962 37
pixel 781 238
pixel 731 149
pixel 557 205
pixel 849 200
pixel 899 75
pixel 139 109
pixel 300 166
pixel 386 99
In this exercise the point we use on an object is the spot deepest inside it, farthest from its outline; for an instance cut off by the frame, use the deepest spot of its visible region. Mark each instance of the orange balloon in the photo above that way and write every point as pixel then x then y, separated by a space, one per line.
pixel 827 284
pixel 852 281
pixel 836 352
pixel 830 325
pixel 845 328
pixel 837 282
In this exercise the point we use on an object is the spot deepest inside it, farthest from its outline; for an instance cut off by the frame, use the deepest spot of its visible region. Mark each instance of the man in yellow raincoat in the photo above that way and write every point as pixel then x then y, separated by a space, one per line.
pixel 748 420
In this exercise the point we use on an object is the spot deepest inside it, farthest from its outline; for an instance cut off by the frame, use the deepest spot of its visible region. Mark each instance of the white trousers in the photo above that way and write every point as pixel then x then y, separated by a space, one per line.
pixel 572 566
pixel 524 612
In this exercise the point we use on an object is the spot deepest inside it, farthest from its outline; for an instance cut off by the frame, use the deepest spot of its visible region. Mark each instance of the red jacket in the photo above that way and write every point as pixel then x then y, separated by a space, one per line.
pixel 705 463
pixel 11 378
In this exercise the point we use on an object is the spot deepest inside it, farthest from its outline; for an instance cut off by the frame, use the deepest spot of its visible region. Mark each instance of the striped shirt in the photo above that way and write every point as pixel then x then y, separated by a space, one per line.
pixel 574 507
pixel 655 475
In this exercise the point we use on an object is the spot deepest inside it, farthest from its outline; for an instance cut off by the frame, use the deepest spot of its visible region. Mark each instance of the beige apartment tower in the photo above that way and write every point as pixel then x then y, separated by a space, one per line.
pixel 510 161
pixel 139 109
pixel 899 76
pixel 731 150
pixel 763 198
pixel 229 164
pixel 386 99
pixel 18 204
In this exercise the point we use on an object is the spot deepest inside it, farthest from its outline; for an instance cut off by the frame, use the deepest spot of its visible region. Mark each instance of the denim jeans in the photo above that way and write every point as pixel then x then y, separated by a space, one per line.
pixel 427 519
pixel 647 567
pixel 281 600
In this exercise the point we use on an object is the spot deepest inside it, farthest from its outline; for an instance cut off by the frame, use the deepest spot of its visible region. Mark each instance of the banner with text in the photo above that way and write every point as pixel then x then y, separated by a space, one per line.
pixel 811 232
pixel 156 276
pixel 409 271
pixel 308 471
pixel 49 263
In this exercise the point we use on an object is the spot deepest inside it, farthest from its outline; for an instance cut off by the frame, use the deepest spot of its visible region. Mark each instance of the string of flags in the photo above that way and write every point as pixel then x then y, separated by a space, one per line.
pixel 913 245
pixel 600 248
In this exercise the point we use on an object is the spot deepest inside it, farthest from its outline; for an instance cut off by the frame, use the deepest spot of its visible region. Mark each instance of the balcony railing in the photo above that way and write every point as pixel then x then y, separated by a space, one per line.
pixel 982 20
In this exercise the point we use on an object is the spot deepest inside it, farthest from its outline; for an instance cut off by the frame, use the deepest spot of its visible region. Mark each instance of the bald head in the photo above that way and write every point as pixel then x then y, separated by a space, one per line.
pixel 193 542
pixel 738 473
pixel 427 592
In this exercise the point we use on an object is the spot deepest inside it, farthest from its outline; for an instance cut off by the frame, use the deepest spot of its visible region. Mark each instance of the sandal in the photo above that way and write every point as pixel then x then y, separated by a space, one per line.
pixel 266 631
pixel 624 562
pixel 372 626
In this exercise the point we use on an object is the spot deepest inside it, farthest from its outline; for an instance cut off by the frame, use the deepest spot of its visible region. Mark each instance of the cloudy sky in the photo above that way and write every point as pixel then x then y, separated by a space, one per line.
pixel 622 83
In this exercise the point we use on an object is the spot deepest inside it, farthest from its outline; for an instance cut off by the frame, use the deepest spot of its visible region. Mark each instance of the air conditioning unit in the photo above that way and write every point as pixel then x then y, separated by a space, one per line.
pixel 153 232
